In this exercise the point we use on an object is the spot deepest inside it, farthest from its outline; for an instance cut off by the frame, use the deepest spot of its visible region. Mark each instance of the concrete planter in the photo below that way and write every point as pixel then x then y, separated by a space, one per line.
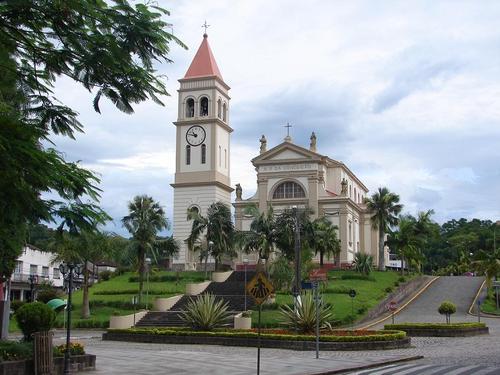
pixel 126 321
pixel 165 304
pixel 83 362
pixel 241 322
pixel 443 332
pixel 252 342
pixel 193 289
pixel 220 277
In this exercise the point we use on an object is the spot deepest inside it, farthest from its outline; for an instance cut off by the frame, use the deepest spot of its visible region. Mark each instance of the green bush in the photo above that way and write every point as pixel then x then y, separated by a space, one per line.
pixel 15 351
pixel 15 305
pixel 385 335
pixel 451 326
pixel 205 312
pixel 46 294
pixel 363 263
pixel 304 317
pixel 106 275
pixel 396 284
pixel 353 276
pixel 169 278
pixel 35 317
pixel 341 289
pixel 75 348
pixel 402 279
pixel 447 308
pixel 389 289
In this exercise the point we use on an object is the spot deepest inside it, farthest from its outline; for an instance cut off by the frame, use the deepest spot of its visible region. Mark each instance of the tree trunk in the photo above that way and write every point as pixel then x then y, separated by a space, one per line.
pixel 85 302
pixel 402 265
pixel 206 265
pixel 321 259
pixel 141 273
pixel 381 255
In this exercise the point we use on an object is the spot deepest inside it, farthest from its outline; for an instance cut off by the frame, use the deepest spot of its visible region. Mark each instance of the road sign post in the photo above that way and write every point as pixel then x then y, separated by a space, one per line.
pixel 316 299
pixel 478 310
pixel 392 307
pixel 259 288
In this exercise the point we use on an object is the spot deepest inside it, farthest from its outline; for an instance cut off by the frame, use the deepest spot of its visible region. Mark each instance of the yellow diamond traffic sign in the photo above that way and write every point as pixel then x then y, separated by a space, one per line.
pixel 259 288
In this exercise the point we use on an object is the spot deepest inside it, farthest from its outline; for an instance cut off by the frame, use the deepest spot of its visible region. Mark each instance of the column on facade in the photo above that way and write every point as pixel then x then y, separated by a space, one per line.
pixel 313 196
pixel 262 188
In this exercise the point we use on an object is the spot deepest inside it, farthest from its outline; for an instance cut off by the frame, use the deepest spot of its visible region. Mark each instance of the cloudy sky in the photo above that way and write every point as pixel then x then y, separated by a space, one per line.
pixel 407 94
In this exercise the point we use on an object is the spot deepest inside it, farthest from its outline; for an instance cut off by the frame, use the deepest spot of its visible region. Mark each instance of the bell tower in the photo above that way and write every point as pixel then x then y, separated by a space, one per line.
pixel 202 146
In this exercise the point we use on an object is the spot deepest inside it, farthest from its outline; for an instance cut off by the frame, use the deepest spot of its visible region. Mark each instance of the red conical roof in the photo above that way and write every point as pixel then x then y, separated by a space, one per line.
pixel 203 64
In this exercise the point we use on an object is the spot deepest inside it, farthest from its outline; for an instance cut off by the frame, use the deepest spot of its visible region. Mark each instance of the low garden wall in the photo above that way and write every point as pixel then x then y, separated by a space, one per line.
pixel 194 289
pixel 126 321
pixel 220 277
pixel 389 340
pixel 82 362
pixel 164 304
pixel 440 329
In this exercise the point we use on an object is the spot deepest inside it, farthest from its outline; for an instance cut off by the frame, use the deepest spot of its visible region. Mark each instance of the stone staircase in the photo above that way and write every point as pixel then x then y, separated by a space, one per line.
pixel 231 291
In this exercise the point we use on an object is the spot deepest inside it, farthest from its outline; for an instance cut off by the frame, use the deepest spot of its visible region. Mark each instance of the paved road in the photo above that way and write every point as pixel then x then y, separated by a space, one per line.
pixel 420 369
pixel 460 290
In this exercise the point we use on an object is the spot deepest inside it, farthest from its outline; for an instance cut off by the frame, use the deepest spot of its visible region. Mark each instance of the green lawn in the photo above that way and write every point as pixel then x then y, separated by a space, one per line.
pixel 490 305
pixel 368 295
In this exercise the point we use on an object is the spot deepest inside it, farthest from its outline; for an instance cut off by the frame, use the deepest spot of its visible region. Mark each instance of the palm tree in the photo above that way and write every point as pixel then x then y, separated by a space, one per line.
pixel 323 239
pixel 487 262
pixel 384 207
pixel 262 236
pixel 145 219
pixel 403 240
pixel 217 228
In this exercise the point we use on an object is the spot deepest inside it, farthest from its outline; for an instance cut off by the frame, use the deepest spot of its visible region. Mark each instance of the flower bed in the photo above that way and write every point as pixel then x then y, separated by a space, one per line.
pixel 329 340
pixel 440 329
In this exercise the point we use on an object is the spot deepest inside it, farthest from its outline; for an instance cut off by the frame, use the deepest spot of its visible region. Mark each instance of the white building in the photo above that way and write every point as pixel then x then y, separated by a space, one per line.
pixel 38 263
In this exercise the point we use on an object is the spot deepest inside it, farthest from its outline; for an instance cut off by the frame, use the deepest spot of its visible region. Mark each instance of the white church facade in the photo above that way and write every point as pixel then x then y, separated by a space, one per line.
pixel 287 175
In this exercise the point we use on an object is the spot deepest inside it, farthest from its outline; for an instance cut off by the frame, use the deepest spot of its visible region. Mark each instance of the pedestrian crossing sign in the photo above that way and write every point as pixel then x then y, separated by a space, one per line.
pixel 259 288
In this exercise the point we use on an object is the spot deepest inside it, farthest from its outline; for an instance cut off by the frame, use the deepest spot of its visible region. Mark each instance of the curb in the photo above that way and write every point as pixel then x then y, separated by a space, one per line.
pixel 483 314
pixel 424 288
pixel 366 367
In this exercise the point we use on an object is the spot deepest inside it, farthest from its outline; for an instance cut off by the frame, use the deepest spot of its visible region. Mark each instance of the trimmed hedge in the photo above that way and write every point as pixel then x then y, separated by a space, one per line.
pixel 353 276
pixel 15 351
pixel 166 278
pixel 129 291
pixel 387 335
pixel 451 326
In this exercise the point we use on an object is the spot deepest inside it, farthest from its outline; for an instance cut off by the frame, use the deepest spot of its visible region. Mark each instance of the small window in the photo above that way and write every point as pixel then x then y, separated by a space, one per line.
pixel 45 271
pixel 56 274
pixel 204 106
pixel 224 112
pixel 19 267
pixel 219 109
pixel 203 153
pixel 288 190
pixel 33 269
pixel 188 154
pixel 190 107
pixel 355 195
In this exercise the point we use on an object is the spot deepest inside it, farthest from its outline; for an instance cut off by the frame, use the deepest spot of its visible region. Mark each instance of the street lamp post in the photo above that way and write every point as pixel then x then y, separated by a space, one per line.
pixel 245 262
pixel 148 265
pixel 68 270
pixel 210 245
pixel 32 279
pixel 296 289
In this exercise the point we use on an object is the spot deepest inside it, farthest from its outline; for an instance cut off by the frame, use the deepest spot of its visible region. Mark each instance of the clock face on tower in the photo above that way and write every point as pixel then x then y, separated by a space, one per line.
pixel 195 135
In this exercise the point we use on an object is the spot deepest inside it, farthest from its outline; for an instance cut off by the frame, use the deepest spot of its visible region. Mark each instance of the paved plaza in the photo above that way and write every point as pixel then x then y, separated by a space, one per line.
pixel 441 355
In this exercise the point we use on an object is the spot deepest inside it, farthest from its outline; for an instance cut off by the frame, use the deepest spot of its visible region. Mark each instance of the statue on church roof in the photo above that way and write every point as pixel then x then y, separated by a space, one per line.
pixel 343 184
pixel 239 191
pixel 263 144
pixel 312 145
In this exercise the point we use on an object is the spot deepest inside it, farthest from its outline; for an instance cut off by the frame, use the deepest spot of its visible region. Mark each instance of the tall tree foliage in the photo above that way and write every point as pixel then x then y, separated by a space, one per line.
pixel 384 207
pixel 323 239
pixel 217 229
pixel 145 220
pixel 107 47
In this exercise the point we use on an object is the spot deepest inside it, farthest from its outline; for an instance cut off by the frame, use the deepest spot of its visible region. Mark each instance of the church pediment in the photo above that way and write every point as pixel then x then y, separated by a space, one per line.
pixel 286 151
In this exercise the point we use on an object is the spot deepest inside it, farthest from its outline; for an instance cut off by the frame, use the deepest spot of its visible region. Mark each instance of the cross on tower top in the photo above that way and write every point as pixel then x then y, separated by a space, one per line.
pixel 206 26
pixel 288 138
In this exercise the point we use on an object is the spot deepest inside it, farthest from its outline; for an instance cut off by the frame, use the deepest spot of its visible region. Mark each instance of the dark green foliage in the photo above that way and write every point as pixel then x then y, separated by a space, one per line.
pixel 75 348
pixel 389 289
pixel 362 309
pixel 363 263
pixel 15 351
pixel 35 317
pixel 168 278
pixel 303 317
pixel 338 289
pixel 396 284
pixel 402 279
pixel 105 275
pixel 402 326
pixel 46 294
pixel 205 312
pixel 15 305
pixel 353 276
pixel 447 308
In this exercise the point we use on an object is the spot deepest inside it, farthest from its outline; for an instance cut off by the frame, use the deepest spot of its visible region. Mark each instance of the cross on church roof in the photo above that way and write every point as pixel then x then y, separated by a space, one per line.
pixel 287 126
pixel 205 26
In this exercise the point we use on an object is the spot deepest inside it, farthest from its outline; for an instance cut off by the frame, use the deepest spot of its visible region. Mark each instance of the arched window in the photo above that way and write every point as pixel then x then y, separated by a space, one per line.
pixel 224 112
pixel 203 153
pixel 225 158
pixel 219 109
pixel 289 189
pixel 188 154
pixel 204 106
pixel 190 107
pixel 355 196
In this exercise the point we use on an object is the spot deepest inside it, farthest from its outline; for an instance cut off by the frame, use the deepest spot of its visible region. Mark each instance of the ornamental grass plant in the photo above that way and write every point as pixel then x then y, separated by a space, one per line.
pixel 303 317
pixel 205 312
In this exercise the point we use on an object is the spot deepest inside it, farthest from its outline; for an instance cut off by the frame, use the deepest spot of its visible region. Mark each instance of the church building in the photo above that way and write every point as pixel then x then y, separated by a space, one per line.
pixel 288 175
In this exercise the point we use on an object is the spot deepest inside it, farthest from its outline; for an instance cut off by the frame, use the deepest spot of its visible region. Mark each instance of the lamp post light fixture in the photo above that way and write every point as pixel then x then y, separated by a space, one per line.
pixel 32 279
pixel 210 246
pixel 245 263
pixel 148 265
pixel 69 270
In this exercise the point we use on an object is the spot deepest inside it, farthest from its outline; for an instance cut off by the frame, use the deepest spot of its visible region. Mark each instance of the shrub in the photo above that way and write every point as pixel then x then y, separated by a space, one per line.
pixel 15 305
pixel 304 317
pixel 75 348
pixel 169 278
pixel 396 284
pixel 281 273
pixel 353 276
pixel 402 279
pixel 451 326
pixel 45 295
pixel 447 308
pixel 389 289
pixel 363 263
pixel 15 351
pixel 35 317
pixel 341 289
pixel 205 312
pixel 362 309
pixel 105 275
